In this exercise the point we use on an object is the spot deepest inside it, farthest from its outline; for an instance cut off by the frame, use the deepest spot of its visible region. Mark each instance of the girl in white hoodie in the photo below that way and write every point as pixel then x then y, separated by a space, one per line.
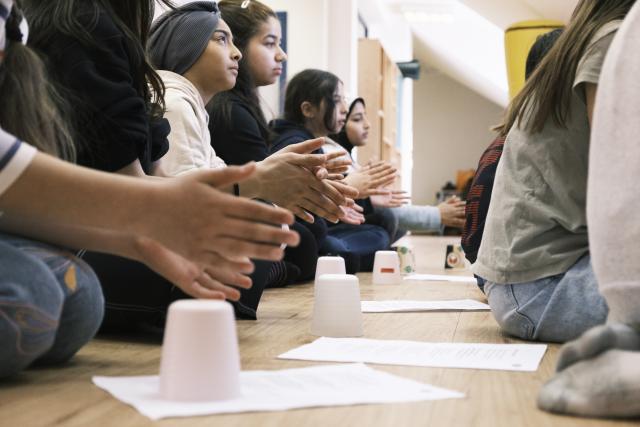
pixel 193 47
pixel 194 50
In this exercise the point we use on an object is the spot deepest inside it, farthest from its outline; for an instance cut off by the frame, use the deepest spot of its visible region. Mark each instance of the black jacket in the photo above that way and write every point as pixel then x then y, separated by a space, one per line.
pixel 240 139
pixel 287 133
pixel 112 123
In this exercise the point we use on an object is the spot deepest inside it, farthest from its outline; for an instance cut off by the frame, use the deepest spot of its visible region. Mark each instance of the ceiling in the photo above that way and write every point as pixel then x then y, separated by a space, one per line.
pixel 465 38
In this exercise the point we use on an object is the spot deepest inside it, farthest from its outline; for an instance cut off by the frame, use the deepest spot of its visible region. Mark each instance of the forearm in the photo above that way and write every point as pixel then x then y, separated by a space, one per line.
pixel 356 181
pixel 62 193
pixel 251 187
pixel 93 239
pixel 418 218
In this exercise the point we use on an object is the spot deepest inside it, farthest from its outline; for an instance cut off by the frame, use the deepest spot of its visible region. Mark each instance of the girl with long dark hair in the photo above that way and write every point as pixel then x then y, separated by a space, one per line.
pixel 239 130
pixel 50 301
pixel 315 107
pixel 96 50
pixel 535 253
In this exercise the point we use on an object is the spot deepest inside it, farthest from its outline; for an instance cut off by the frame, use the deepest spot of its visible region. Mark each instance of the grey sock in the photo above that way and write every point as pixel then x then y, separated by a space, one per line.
pixel 596 341
pixel 605 386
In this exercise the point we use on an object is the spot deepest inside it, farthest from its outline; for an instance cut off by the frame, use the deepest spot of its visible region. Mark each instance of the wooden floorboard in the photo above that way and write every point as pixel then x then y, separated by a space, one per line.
pixel 65 395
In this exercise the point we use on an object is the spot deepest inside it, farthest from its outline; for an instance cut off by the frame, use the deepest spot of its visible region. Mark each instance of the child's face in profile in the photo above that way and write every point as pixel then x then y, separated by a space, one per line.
pixel 265 55
pixel 358 126
pixel 341 109
pixel 217 68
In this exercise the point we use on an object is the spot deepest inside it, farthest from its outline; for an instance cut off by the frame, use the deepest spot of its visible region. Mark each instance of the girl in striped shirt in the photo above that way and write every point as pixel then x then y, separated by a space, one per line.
pixel 50 301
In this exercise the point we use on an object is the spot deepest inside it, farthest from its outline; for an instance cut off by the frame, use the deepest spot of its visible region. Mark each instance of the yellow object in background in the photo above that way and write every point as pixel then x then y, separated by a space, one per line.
pixel 519 39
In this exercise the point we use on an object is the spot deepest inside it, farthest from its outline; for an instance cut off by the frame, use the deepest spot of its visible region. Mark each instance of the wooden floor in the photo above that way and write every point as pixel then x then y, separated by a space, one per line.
pixel 66 396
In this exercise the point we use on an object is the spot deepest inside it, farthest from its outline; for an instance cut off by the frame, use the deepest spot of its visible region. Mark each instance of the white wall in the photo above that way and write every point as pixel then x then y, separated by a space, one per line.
pixel 342 55
pixel 451 130
pixel 389 27
pixel 307 36
pixel 321 34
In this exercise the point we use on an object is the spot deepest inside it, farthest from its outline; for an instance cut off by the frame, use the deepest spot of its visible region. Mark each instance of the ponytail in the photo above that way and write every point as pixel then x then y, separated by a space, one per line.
pixel 30 104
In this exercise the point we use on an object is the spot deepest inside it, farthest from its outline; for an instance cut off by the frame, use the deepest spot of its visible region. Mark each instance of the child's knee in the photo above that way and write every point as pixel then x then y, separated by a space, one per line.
pixel 30 306
pixel 82 314
pixel 505 309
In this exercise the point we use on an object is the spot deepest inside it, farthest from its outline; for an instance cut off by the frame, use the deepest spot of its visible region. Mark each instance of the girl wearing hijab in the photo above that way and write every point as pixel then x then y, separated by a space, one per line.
pixel 390 203
pixel 315 107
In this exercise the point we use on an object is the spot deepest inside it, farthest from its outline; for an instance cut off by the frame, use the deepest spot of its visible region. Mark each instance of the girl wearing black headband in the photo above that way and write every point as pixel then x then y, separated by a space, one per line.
pixel 196 52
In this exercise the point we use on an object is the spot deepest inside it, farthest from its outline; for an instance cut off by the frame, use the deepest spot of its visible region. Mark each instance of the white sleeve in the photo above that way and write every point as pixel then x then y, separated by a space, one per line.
pixel 189 148
pixel 15 156
pixel 613 200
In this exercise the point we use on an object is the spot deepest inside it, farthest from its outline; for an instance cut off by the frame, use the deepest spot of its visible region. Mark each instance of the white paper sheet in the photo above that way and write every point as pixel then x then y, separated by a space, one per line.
pixel 441 278
pixel 334 385
pixel 507 357
pixel 398 306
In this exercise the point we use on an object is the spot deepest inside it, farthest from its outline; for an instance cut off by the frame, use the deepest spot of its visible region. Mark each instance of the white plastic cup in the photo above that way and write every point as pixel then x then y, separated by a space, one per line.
pixel 407 260
pixel 386 268
pixel 330 265
pixel 337 310
pixel 200 358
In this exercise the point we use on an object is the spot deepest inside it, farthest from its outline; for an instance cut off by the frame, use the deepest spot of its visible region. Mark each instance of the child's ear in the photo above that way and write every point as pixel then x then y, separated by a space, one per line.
pixel 308 110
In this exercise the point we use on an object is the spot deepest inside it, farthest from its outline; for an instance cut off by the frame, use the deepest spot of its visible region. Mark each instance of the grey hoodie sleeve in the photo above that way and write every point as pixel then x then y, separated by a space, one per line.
pixel 613 196
pixel 418 218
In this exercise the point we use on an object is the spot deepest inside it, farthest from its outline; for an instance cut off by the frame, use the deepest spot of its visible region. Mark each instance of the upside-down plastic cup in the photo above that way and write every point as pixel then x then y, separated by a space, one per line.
pixel 386 268
pixel 337 311
pixel 200 359
pixel 330 265
pixel 407 260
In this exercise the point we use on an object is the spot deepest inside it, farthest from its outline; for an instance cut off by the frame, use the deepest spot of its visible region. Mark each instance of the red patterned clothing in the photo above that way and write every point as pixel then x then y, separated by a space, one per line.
pixel 479 197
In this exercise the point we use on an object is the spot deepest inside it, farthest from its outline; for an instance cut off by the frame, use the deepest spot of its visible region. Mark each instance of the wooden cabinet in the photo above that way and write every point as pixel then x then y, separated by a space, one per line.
pixel 370 89
pixel 378 78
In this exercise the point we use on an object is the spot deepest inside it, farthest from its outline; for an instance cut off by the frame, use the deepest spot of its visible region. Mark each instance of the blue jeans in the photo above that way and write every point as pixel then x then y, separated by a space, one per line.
pixel 50 304
pixel 387 219
pixel 553 309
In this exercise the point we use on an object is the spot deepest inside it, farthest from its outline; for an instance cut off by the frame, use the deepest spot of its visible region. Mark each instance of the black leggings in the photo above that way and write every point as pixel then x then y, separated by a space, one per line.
pixel 136 298
pixel 305 255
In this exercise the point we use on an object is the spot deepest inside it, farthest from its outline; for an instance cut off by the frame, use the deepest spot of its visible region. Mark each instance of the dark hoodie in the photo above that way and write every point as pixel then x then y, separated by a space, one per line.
pixel 357 244
pixel 288 133
pixel 238 139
